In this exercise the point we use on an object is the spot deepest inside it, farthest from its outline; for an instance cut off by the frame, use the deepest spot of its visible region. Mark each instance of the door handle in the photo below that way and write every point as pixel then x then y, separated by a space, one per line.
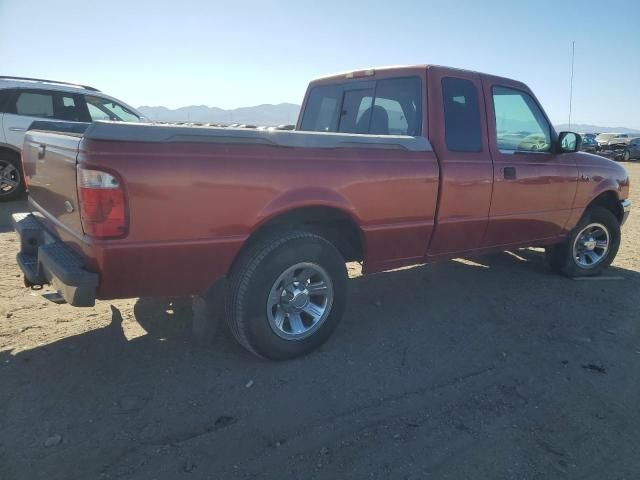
pixel 509 173
pixel 17 129
pixel 41 151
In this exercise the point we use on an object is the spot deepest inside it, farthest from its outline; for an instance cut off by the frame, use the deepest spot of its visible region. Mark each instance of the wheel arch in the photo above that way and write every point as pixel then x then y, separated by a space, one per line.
pixel 7 148
pixel 329 221
pixel 608 199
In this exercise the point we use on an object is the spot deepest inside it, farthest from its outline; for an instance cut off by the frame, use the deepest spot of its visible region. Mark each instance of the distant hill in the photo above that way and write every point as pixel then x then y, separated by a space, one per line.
pixel 584 128
pixel 267 114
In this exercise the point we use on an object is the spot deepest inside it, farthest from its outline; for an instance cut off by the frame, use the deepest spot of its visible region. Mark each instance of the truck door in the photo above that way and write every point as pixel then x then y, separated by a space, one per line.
pixel 534 187
pixel 459 136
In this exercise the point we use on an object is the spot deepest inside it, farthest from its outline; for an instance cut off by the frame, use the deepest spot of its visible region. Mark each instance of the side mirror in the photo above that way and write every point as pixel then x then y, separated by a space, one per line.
pixel 569 142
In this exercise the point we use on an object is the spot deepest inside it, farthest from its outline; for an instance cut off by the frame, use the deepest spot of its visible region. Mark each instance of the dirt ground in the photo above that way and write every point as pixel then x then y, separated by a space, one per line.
pixel 492 369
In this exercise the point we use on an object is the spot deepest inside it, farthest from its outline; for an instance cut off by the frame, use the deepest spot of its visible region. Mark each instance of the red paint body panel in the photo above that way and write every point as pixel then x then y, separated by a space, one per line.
pixel 191 206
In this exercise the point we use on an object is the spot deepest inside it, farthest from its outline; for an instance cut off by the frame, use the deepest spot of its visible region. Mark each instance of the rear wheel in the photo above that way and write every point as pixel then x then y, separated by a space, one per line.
pixel 287 295
pixel 11 181
pixel 626 156
pixel 591 248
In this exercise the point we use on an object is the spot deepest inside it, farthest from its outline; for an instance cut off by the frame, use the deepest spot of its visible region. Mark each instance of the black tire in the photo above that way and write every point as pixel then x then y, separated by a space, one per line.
pixel 252 279
pixel 626 156
pixel 560 257
pixel 12 163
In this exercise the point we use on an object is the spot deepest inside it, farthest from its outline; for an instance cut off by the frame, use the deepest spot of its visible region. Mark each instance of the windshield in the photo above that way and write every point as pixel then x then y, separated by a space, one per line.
pixel 105 109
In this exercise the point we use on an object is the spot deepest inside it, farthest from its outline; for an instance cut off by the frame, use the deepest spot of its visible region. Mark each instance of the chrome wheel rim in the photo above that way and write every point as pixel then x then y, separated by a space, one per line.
pixel 591 245
pixel 300 301
pixel 9 177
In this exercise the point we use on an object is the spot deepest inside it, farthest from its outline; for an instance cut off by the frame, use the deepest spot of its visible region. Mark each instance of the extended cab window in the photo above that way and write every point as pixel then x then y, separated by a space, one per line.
pixel 383 107
pixel 105 109
pixel 461 115
pixel 520 124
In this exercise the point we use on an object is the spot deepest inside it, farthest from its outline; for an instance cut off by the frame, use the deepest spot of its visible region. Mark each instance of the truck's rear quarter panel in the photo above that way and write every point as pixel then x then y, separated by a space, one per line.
pixel 192 205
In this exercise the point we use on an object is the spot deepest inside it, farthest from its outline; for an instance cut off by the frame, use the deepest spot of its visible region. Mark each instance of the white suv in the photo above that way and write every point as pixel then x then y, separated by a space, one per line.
pixel 23 100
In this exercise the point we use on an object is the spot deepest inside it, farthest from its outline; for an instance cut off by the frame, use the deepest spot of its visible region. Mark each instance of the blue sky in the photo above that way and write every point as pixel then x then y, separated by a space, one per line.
pixel 239 53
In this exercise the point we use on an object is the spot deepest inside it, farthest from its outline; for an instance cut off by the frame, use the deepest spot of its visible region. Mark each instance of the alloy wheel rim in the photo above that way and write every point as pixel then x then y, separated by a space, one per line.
pixel 300 301
pixel 9 177
pixel 591 245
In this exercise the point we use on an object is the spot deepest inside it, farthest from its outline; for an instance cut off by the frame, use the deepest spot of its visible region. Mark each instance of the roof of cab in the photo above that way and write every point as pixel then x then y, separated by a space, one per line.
pixel 399 70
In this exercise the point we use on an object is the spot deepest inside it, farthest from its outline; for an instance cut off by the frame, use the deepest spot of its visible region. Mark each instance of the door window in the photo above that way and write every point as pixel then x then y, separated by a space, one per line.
pixel 461 115
pixel 67 107
pixel 105 109
pixel 520 123
pixel 34 104
pixel 96 113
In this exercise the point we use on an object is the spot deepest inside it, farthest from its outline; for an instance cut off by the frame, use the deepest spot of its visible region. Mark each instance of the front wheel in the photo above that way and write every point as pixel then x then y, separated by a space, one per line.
pixel 591 248
pixel 626 156
pixel 287 295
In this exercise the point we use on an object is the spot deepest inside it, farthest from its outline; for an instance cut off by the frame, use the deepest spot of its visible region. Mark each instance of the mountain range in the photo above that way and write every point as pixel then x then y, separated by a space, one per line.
pixel 267 114
pixel 287 114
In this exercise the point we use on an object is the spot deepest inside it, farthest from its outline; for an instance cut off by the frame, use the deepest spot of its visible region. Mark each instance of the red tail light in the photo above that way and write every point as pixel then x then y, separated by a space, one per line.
pixel 103 209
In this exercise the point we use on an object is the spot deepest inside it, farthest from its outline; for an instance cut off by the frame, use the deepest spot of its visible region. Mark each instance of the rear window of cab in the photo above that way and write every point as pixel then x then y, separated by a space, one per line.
pixel 378 107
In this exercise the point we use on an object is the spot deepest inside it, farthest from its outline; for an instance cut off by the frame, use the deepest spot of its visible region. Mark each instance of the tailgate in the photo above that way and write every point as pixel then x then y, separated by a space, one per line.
pixel 49 156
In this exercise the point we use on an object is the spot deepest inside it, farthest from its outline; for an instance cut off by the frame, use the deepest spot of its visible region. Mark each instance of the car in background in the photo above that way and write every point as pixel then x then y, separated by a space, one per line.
pixel 620 139
pixel 23 100
pixel 589 144
pixel 603 139
pixel 632 151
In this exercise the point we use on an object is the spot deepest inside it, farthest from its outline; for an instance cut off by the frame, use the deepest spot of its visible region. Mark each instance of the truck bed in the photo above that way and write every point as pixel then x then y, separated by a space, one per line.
pixel 195 194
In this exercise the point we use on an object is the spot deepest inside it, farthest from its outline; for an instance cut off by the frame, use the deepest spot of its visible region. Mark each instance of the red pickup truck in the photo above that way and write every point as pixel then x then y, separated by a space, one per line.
pixel 388 167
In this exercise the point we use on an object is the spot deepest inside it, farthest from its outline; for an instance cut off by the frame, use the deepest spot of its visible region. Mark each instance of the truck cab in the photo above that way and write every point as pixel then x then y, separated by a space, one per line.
pixel 504 175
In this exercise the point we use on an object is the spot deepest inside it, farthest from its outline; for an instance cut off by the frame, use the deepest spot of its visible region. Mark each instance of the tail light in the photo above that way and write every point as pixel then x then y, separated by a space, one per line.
pixel 103 209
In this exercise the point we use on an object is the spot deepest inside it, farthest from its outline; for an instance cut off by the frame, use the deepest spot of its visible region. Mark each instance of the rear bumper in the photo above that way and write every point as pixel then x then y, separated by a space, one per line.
pixel 626 209
pixel 43 258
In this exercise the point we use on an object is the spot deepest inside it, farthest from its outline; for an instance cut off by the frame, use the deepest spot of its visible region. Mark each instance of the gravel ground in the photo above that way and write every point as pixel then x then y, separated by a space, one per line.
pixel 488 369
